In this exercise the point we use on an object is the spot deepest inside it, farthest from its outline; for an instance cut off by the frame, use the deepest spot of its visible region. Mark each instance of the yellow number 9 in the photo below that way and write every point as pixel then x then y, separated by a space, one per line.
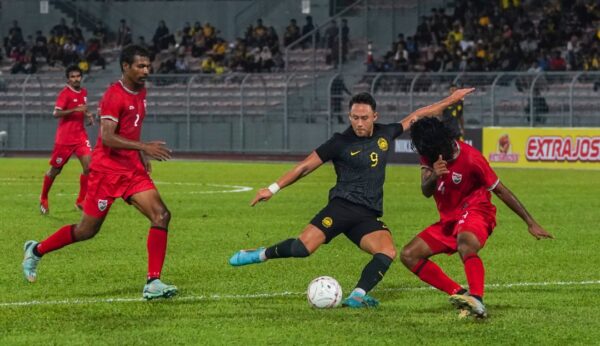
pixel 374 159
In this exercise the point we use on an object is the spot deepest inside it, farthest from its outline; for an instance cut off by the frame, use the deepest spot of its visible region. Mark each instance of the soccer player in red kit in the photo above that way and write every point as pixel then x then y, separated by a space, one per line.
pixel 119 169
pixel 460 179
pixel 71 138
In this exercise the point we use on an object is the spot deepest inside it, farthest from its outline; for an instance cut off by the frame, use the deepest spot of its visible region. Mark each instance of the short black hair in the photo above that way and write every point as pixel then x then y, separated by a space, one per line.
pixel 72 68
pixel 430 138
pixel 363 98
pixel 129 52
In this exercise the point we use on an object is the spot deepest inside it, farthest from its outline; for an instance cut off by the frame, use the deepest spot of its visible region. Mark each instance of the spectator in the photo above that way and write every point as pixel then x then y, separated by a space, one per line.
pixel 345 38
pixel 40 49
pixel 308 27
pixel 266 59
pixel 123 34
pixel 557 63
pixel 181 65
pixel 162 37
pixel 292 33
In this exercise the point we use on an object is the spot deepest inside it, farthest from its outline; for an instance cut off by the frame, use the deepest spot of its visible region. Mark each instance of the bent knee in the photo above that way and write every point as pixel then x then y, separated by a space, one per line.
pixel 409 255
pixel 161 218
pixel 465 249
pixel 389 252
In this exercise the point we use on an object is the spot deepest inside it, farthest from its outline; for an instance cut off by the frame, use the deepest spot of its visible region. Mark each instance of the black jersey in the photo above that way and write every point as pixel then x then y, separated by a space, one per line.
pixel 451 116
pixel 360 164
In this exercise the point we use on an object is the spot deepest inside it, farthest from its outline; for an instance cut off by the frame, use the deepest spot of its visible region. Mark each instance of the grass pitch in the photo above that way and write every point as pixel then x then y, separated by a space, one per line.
pixel 538 292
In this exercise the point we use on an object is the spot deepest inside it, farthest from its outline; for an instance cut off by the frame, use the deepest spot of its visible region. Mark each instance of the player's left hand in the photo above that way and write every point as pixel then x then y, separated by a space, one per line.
pixel 538 232
pixel 89 119
pixel 461 93
pixel 262 195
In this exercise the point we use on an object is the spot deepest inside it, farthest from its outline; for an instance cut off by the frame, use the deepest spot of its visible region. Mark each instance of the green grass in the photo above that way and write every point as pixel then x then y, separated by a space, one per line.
pixel 207 228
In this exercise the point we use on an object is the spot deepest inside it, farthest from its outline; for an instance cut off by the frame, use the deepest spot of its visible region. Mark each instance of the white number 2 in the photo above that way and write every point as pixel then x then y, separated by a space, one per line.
pixel 137 118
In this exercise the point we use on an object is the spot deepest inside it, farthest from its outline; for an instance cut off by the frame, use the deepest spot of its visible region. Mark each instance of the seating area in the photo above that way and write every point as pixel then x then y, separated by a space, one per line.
pixel 167 95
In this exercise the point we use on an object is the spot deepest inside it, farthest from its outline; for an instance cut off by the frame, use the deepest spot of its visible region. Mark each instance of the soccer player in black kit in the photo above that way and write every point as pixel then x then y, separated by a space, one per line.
pixel 359 156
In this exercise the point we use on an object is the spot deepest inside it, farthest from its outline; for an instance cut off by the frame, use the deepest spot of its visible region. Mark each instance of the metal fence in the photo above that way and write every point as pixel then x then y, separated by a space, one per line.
pixel 295 112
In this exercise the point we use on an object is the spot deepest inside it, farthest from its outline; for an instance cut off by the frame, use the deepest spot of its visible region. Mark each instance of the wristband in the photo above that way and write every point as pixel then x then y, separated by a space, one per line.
pixel 274 188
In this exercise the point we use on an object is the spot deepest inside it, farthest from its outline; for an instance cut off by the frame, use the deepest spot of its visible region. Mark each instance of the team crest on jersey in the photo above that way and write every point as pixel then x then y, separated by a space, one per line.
pixel 102 204
pixel 59 160
pixel 327 222
pixel 131 108
pixel 74 100
pixel 382 143
pixel 456 178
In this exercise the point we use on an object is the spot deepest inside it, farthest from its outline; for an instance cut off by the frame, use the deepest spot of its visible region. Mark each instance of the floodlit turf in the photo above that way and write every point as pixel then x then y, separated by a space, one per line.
pixel 90 293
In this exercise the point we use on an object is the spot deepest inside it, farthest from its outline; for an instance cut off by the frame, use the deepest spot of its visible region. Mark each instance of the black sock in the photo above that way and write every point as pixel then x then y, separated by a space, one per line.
pixel 478 298
pixel 461 291
pixel 288 248
pixel 374 272
pixel 35 251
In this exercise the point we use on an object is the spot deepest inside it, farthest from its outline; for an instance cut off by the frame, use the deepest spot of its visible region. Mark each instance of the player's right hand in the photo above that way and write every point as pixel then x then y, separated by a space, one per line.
pixel 157 150
pixel 439 167
pixel 80 108
pixel 262 195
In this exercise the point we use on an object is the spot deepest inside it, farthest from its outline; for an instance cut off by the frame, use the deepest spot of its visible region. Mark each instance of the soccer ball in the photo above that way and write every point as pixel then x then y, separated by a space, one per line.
pixel 324 292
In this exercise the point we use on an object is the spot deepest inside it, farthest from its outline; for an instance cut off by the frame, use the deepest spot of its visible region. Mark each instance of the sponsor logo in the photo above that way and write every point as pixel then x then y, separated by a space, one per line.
pixel 74 100
pixel 102 204
pixel 59 160
pixel 354 153
pixel 503 152
pixel 131 108
pixel 556 148
pixel 456 178
pixel 327 222
pixel 382 143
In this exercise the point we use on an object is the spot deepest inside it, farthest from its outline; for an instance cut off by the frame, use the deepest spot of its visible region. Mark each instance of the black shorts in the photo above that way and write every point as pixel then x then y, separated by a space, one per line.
pixel 341 216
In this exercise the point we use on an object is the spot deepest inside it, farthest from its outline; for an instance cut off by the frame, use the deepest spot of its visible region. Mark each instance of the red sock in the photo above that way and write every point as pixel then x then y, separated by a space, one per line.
pixel 432 274
pixel 475 274
pixel 83 180
pixel 46 187
pixel 157 248
pixel 60 238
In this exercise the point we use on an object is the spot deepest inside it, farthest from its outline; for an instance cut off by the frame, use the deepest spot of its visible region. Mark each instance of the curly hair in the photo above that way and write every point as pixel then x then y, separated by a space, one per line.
pixel 430 138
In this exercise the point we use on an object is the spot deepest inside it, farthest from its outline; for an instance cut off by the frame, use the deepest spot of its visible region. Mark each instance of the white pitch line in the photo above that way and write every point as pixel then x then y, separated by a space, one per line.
pixel 231 189
pixel 80 301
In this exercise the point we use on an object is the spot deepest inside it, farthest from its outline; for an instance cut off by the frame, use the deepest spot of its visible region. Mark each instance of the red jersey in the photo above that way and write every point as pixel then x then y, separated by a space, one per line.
pixel 70 127
pixel 467 186
pixel 128 109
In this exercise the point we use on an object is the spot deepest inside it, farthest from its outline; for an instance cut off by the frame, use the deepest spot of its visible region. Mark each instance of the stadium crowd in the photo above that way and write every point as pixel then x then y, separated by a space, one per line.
pixel 65 45
pixel 505 35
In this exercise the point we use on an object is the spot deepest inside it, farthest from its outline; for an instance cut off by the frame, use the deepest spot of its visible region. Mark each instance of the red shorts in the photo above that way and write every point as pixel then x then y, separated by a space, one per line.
pixel 441 236
pixel 62 153
pixel 104 188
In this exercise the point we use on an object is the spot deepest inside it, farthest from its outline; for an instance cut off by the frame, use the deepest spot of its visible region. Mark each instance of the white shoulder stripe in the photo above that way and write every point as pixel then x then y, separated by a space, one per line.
pixel 494 185
pixel 109 117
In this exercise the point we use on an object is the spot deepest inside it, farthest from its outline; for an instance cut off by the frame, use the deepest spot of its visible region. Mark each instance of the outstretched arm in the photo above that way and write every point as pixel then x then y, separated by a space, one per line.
pixel 309 164
pixel 435 108
pixel 513 203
